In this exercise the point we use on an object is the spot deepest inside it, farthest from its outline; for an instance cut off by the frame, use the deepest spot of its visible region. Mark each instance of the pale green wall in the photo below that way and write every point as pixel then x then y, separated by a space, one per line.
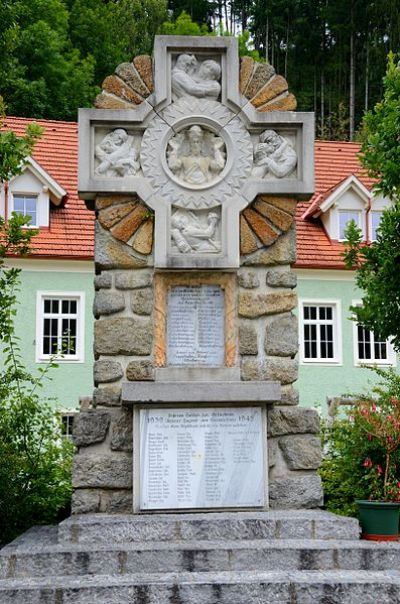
pixel 318 381
pixel 69 380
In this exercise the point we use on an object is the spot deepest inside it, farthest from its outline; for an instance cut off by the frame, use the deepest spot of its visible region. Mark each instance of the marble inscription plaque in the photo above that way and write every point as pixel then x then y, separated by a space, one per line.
pixel 201 458
pixel 195 326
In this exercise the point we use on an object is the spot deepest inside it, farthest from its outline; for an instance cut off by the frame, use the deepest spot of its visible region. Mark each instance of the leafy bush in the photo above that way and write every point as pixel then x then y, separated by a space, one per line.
pixel 357 445
pixel 35 468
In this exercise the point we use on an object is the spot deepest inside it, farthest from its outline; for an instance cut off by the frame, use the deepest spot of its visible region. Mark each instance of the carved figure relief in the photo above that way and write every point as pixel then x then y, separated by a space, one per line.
pixel 196 156
pixel 117 155
pixel 189 78
pixel 274 156
pixel 195 232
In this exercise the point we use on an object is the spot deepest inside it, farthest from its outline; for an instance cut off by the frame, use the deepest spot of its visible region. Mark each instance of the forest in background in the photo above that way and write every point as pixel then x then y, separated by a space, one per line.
pixel 54 54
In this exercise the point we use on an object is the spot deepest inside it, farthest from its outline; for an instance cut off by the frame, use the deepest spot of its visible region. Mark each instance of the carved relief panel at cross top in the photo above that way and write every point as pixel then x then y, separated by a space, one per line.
pixel 196 152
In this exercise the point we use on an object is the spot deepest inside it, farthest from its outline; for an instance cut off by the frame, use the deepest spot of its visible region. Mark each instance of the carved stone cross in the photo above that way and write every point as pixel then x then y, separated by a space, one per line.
pixel 196 151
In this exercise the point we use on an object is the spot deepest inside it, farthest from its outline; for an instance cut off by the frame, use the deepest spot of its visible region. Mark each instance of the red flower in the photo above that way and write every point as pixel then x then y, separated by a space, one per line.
pixel 379 469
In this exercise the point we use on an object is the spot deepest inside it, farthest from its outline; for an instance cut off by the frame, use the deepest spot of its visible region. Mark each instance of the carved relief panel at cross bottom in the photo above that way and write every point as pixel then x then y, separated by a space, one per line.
pixel 196 151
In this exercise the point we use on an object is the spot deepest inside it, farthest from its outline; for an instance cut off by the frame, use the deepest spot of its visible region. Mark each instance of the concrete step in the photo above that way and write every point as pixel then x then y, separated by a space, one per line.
pixel 40 556
pixel 288 524
pixel 296 587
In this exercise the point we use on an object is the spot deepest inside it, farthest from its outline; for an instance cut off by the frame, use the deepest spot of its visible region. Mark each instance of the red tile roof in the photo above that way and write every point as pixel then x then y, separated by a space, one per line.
pixel 71 231
pixel 334 162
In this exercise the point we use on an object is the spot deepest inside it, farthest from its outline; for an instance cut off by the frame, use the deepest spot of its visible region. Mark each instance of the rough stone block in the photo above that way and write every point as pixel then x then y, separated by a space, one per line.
pixel 272 451
pixel 106 397
pixel 247 338
pixel 287 204
pixel 106 370
pixel 114 85
pixel 282 370
pixel 128 73
pixel 133 279
pixel 301 452
pixel 103 281
pixel 248 240
pixel 105 100
pixel 263 72
pixel 90 427
pixel 296 491
pixel 292 420
pixel 276 86
pixel 281 337
pixel 279 218
pixel 120 502
pixel 142 301
pixel 139 371
pixel 102 471
pixel 121 431
pixel 281 279
pixel 110 253
pixel 143 240
pixel 261 227
pixel 144 66
pixel 289 396
pixel 85 501
pixel 246 71
pixel 108 303
pixel 248 279
pixel 126 227
pixel 256 305
pixel 113 214
pixel 283 251
pixel 123 335
pixel 286 103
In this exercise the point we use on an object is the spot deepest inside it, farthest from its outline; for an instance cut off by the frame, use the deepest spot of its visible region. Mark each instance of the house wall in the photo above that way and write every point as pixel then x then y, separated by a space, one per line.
pixel 71 379
pixel 317 381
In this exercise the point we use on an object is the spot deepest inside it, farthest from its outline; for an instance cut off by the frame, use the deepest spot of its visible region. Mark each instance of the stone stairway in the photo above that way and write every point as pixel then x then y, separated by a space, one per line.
pixel 279 557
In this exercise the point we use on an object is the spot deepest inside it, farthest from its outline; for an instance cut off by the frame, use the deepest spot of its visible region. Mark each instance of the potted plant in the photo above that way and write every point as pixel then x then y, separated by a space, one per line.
pixel 378 417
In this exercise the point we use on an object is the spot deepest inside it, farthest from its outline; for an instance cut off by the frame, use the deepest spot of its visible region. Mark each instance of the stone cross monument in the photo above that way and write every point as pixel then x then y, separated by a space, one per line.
pixel 193 164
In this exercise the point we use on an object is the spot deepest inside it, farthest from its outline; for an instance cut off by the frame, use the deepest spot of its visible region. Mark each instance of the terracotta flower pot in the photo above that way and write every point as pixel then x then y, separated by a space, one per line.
pixel 379 520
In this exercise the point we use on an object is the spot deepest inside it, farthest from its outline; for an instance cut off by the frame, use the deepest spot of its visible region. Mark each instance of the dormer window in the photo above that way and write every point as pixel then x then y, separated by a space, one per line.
pixel 26 205
pixel 346 216
pixel 30 194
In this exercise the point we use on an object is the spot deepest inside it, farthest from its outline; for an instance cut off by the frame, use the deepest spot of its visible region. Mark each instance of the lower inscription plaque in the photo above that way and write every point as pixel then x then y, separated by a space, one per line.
pixel 201 458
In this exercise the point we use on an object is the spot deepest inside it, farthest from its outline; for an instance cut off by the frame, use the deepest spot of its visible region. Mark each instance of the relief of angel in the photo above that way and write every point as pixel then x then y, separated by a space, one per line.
pixel 196 156
pixel 117 155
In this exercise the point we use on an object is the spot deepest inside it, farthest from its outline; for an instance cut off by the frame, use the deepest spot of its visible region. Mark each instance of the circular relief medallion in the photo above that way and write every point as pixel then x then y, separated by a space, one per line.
pixel 196 154
pixel 196 157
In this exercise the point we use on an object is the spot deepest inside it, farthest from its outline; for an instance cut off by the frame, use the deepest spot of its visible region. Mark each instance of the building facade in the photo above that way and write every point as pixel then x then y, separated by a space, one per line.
pixel 56 298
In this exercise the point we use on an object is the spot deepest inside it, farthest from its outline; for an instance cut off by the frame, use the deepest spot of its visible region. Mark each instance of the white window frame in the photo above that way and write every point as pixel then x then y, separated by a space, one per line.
pixel 371 213
pixel 337 330
pixel 79 357
pixel 348 211
pixel 15 194
pixel 391 354
pixel 68 414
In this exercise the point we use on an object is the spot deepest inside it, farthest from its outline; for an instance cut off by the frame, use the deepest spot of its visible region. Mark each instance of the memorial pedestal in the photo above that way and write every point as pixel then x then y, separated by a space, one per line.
pixel 209 456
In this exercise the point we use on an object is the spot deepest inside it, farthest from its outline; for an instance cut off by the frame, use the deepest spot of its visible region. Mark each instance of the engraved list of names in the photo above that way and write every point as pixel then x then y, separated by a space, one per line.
pixel 195 326
pixel 201 458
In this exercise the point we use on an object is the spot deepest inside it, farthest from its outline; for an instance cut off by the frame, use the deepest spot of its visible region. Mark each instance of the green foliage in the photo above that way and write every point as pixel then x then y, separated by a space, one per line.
pixel 357 445
pixel 380 150
pixel 35 468
pixel 184 26
pixel 378 276
pixel 13 149
pixel 377 265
